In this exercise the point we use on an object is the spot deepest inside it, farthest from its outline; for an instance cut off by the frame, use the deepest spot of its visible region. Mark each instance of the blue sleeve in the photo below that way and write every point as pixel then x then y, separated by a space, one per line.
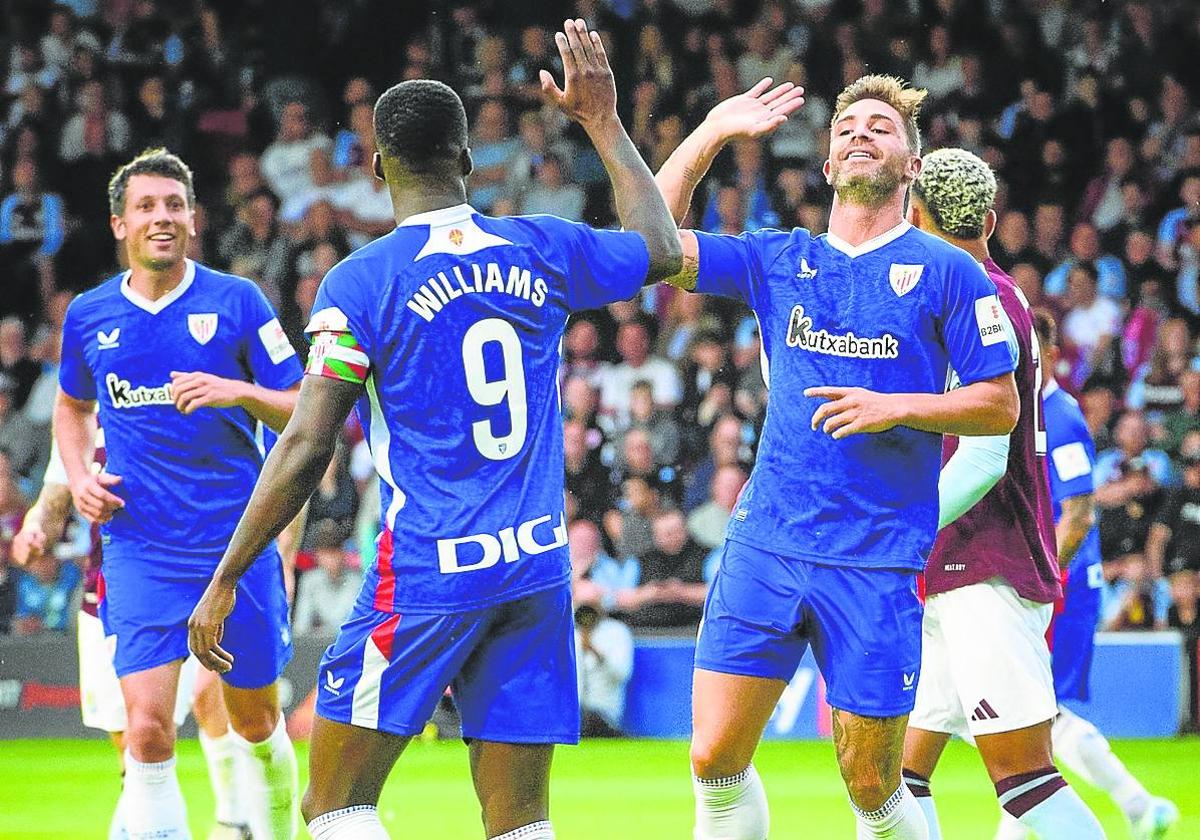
pixel 54 224
pixel 974 325
pixel 602 266
pixel 734 266
pixel 6 214
pixel 269 355
pixel 1071 457
pixel 1055 283
pixel 74 375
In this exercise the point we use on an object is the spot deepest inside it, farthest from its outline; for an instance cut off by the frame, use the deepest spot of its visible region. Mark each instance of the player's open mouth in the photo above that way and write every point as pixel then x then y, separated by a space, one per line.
pixel 163 237
pixel 859 154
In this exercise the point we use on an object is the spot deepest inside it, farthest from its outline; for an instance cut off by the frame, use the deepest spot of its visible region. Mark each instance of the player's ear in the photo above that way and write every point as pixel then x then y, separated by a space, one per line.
pixel 467 165
pixel 989 224
pixel 913 170
pixel 825 170
pixel 118 227
pixel 377 166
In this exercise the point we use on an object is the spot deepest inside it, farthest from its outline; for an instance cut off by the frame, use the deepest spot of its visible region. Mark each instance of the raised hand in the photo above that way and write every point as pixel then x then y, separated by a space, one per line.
pixel 589 93
pixel 757 112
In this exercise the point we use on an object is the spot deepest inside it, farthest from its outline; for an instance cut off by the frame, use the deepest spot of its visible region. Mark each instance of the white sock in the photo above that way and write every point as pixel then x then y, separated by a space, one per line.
pixel 919 787
pixel 116 826
pixel 541 830
pixel 900 818
pixel 221 754
pixel 1010 828
pixel 152 803
pixel 361 822
pixel 1047 806
pixel 1080 747
pixel 270 784
pixel 733 808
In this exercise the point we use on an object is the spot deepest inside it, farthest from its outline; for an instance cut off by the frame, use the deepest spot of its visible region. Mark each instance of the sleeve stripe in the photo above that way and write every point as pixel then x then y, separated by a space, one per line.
pixel 337 355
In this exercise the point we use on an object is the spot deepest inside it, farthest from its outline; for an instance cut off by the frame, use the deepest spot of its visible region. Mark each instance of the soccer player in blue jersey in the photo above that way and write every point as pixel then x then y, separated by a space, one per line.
pixel 1076 741
pixel 860 328
pixel 185 363
pixel 446 334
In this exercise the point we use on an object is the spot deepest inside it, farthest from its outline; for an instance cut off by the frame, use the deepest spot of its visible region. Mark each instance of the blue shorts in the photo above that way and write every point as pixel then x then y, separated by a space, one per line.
pixel 149 598
pixel 764 610
pixel 511 669
pixel 1074 639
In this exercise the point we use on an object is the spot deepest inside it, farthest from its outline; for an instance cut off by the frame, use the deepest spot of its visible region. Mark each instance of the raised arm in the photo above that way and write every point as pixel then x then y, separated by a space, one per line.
pixel 288 478
pixel 589 96
pixel 750 115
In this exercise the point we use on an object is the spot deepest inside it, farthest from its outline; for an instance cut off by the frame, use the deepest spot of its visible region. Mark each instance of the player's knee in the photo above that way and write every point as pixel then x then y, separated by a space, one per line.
pixel 711 761
pixel 255 726
pixel 869 787
pixel 311 807
pixel 150 737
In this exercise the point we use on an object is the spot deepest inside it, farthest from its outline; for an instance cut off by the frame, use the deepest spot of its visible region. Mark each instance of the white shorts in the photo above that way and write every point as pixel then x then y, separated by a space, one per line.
pixel 99 689
pixel 985 664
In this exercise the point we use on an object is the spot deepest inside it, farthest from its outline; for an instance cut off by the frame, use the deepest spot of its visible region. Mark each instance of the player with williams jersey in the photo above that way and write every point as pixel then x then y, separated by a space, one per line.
pixel 446 333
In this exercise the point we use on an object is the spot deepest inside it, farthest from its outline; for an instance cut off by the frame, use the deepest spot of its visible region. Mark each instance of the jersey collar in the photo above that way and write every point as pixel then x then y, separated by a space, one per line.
pixel 438 218
pixel 871 244
pixel 156 306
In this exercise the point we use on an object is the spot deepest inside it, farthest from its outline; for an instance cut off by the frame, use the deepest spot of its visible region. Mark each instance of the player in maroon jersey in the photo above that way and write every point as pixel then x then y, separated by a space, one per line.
pixel 101 702
pixel 992 578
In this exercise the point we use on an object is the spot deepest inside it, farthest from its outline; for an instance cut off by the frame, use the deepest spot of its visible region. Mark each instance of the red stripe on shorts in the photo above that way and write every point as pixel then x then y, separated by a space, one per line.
pixel 385 590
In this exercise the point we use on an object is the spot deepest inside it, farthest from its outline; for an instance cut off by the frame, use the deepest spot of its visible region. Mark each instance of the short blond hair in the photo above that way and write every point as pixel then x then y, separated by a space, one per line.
pixel 889 89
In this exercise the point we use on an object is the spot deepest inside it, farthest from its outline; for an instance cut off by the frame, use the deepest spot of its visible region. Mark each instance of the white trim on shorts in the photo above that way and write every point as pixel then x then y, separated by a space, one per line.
pixel 100 697
pixel 985 664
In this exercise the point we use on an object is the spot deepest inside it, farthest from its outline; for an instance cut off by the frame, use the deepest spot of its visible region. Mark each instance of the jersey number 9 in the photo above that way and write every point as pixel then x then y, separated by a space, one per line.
pixel 508 389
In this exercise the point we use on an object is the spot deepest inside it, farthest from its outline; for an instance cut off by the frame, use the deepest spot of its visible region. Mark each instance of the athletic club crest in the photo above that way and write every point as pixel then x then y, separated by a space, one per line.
pixel 202 326
pixel 904 278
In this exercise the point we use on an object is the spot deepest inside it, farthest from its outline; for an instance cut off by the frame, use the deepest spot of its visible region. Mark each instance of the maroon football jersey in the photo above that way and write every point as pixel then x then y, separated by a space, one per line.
pixel 1010 532
pixel 93 586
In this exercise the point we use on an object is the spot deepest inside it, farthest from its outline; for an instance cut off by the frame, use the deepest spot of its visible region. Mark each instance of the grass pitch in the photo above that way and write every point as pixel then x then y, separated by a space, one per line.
pixel 602 790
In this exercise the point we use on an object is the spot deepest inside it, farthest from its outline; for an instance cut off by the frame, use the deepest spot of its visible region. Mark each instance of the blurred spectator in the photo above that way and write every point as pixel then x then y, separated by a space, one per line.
pixel 1129 481
pixel 660 427
pixel 1170 229
pixel 1085 248
pixel 1187 278
pixel 45 595
pixel 288 163
pixel 707 523
pixel 1103 202
pixel 616 380
pixel 741 201
pixel 1173 544
pixel 62 38
pixel 551 194
pixel 709 381
pixel 1091 324
pixel 12 511
pixel 493 151
pixel 95 131
pixel 1184 418
pixel 581 346
pixel 598 578
pixel 32 227
pixel 255 247
pixel 325 594
pixel 364 205
pixel 587 477
pixel 629 524
pixel 1133 599
pixel 672 587
pixel 335 500
pixel 604 653
pixel 635 458
pixel 725 449
pixel 1156 387
pixel 1010 245
pixel 940 72
pixel 152 119
pixel 15 363
pixel 23 445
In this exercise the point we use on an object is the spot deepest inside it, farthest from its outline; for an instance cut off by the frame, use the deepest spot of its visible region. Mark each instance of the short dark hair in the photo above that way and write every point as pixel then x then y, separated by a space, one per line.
pixel 422 123
pixel 150 162
pixel 1045 326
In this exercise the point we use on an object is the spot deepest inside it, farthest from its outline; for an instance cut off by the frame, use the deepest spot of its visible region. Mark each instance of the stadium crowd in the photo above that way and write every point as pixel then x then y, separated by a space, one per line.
pixel 1089 113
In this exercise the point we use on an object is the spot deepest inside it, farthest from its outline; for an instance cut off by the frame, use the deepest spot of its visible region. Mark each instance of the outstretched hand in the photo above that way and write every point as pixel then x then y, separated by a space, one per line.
pixel 757 112
pixel 852 411
pixel 206 627
pixel 589 92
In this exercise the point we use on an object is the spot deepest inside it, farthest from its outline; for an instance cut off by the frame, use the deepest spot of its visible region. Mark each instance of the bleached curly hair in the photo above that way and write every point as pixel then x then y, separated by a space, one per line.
pixel 959 189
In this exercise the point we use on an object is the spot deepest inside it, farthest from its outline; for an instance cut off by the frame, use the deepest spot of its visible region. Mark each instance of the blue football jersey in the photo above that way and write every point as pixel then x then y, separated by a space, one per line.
pixel 453 322
pixel 186 479
pixel 892 315
pixel 1072 457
